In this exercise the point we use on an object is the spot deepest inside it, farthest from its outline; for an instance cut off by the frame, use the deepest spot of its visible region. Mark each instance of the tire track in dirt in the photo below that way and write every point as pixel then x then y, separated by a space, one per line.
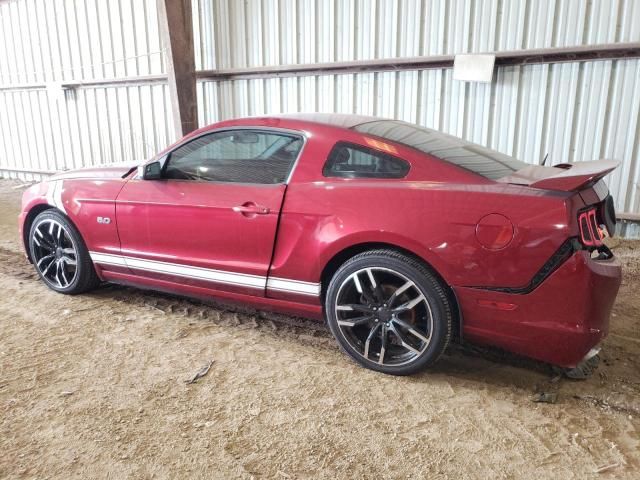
pixel 120 298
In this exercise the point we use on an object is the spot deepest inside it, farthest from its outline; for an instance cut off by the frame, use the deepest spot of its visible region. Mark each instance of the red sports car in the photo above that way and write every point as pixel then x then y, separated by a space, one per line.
pixel 401 237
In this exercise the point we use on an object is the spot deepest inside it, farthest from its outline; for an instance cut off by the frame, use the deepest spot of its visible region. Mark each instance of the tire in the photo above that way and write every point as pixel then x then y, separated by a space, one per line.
pixel 60 255
pixel 389 312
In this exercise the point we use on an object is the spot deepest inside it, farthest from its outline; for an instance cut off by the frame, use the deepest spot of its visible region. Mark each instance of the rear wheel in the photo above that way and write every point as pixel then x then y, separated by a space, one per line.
pixel 389 312
pixel 60 255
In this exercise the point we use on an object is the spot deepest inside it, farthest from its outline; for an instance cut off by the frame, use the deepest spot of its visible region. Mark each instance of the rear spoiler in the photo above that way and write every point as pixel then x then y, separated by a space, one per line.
pixel 565 177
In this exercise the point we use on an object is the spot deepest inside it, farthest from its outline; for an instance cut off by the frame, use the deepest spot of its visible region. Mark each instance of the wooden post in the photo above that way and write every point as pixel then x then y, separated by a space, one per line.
pixel 177 37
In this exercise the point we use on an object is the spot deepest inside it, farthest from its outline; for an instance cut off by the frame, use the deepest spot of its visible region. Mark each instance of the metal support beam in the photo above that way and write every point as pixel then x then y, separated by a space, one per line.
pixel 92 83
pixel 116 82
pixel 583 53
pixel 177 35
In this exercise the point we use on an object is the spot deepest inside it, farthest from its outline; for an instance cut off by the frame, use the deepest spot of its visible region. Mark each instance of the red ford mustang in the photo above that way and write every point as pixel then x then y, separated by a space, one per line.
pixel 402 237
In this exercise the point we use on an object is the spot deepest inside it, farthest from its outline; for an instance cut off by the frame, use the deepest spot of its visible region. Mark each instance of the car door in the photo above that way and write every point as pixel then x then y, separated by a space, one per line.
pixel 210 220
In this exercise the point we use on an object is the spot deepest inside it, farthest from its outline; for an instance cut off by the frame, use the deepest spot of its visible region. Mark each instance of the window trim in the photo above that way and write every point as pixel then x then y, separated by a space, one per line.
pixel 365 149
pixel 269 130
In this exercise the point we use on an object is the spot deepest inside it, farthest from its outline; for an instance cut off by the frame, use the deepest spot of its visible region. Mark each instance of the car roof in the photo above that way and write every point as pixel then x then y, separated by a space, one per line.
pixel 472 157
pixel 343 120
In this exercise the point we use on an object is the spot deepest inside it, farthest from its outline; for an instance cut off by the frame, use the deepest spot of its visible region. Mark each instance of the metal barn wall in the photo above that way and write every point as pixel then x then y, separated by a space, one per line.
pixel 45 44
pixel 573 111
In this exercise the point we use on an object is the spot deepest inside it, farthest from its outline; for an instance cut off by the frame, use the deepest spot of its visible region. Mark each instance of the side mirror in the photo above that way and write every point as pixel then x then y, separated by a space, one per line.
pixel 150 171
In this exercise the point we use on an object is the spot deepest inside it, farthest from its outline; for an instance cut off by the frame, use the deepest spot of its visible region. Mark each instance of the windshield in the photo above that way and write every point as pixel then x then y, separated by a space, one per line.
pixel 470 156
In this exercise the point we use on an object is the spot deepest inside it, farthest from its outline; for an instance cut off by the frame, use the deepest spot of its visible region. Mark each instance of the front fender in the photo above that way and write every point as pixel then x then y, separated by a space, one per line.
pixel 34 201
pixel 82 201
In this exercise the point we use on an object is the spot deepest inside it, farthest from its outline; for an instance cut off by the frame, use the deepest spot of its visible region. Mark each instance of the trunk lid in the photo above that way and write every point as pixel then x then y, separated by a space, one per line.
pixel 566 177
pixel 584 179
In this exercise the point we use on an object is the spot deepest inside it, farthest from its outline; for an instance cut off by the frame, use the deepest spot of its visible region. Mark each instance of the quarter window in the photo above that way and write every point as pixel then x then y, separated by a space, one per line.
pixel 467 155
pixel 348 160
pixel 240 156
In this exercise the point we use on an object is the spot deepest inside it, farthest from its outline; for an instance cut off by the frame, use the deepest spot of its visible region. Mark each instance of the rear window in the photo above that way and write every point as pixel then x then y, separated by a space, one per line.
pixel 348 160
pixel 470 156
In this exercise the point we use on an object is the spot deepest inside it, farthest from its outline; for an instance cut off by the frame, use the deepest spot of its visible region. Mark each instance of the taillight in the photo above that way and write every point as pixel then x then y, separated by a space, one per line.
pixel 590 232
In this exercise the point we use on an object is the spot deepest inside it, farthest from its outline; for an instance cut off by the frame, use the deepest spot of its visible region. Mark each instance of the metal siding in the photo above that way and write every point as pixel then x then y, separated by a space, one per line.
pixel 573 111
pixel 51 41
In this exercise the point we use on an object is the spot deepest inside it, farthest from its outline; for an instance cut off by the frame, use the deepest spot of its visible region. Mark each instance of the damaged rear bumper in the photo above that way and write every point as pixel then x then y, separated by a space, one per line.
pixel 559 322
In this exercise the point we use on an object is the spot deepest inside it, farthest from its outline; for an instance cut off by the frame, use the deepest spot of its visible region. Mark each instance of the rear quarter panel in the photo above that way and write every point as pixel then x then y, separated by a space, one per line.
pixel 435 221
pixel 433 213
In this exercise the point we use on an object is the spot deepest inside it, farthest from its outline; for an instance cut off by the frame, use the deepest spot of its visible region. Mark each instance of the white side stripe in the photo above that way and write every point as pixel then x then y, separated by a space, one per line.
pixel 297 286
pixel 107 259
pixel 54 194
pixel 197 272
pixel 57 196
pixel 50 188
pixel 220 276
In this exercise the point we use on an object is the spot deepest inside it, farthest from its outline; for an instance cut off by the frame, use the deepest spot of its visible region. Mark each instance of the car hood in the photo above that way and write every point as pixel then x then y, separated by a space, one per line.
pixel 114 170
pixel 564 177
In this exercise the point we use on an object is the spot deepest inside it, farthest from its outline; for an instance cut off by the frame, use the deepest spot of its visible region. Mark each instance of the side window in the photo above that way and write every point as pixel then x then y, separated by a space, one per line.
pixel 348 160
pixel 241 156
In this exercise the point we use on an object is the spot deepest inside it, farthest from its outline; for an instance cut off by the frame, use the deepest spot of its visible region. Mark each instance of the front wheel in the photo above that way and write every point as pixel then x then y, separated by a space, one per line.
pixel 59 254
pixel 389 312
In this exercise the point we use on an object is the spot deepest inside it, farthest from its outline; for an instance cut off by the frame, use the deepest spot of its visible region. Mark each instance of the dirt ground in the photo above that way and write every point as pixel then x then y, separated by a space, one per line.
pixel 93 386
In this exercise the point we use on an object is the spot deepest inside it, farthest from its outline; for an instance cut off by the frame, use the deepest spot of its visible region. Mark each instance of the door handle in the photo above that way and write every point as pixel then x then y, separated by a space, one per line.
pixel 250 208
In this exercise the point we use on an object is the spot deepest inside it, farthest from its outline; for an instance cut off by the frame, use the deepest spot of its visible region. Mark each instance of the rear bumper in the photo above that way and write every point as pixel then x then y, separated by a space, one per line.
pixel 558 322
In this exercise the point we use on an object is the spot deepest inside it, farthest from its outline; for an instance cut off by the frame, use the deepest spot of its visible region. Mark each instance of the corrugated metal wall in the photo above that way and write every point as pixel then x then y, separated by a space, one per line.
pixel 573 111
pixel 45 43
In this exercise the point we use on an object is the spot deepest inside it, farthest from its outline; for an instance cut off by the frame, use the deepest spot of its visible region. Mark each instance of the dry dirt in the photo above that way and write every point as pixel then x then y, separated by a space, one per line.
pixel 94 386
